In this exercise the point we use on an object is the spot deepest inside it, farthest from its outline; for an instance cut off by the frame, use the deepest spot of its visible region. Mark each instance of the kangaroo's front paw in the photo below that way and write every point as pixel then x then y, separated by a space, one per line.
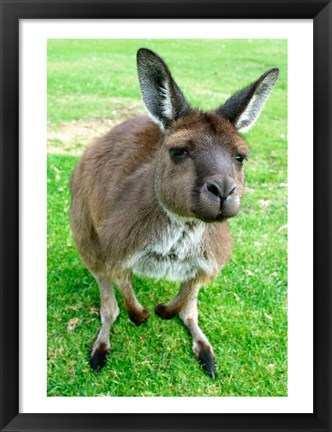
pixel 138 316
pixel 163 311
pixel 98 356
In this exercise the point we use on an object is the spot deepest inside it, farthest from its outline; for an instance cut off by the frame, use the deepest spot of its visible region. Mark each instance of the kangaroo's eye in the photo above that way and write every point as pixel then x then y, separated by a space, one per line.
pixel 240 158
pixel 178 153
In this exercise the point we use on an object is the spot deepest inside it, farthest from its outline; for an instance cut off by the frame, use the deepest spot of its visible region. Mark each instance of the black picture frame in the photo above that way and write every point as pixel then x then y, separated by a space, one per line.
pixel 12 11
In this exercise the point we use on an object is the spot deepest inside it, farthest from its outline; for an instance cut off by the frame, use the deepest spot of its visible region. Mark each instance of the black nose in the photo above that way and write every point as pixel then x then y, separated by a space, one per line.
pixel 220 189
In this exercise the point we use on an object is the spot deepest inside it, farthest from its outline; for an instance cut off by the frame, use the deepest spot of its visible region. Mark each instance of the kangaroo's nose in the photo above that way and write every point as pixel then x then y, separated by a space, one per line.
pixel 220 189
pixel 218 198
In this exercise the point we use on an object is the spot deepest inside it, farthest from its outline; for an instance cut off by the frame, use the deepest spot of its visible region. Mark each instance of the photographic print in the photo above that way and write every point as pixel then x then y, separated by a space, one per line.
pixel 177 208
pixel 231 102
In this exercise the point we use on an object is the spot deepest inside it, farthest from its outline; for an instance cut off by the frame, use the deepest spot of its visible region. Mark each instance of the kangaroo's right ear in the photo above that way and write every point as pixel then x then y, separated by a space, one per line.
pixel 162 97
pixel 243 108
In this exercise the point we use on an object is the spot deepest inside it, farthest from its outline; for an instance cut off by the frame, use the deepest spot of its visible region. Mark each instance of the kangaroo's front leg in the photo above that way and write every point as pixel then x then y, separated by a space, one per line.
pixel 109 311
pixel 137 313
pixel 185 304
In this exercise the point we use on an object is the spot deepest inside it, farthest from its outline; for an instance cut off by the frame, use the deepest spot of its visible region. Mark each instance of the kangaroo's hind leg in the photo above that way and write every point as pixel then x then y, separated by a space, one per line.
pixel 185 305
pixel 109 311
pixel 201 346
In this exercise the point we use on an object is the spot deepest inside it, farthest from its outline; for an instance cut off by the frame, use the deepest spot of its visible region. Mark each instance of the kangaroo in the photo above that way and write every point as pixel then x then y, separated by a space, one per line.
pixel 153 196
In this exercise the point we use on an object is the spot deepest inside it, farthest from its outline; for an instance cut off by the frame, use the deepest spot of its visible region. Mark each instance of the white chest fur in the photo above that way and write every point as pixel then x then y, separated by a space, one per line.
pixel 178 253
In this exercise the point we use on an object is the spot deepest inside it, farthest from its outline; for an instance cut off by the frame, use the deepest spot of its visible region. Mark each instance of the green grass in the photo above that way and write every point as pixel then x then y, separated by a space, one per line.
pixel 243 311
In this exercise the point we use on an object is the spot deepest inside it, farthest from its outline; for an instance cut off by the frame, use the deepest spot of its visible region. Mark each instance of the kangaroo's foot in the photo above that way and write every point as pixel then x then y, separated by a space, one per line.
pixel 204 353
pixel 109 311
pixel 98 356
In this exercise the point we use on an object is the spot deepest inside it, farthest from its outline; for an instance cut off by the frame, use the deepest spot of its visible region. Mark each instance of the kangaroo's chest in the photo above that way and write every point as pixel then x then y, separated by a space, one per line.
pixel 177 253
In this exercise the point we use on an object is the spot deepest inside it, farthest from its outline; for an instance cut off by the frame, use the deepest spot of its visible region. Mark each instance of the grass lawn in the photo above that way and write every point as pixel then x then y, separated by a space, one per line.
pixel 93 85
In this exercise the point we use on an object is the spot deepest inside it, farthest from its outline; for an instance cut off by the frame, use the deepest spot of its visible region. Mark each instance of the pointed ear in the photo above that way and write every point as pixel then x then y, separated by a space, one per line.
pixel 244 107
pixel 162 97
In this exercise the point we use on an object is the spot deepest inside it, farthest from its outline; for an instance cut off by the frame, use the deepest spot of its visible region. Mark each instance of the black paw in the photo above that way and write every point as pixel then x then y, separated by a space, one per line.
pixel 99 356
pixel 140 317
pixel 206 359
pixel 163 311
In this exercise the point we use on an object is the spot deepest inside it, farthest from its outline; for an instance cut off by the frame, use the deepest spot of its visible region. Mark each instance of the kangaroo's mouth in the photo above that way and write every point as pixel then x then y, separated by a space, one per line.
pixel 221 218
pixel 208 218
pixel 215 212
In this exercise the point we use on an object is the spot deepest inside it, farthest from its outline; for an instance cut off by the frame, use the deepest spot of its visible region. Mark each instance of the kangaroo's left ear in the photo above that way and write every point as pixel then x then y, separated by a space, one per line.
pixel 244 107
pixel 162 97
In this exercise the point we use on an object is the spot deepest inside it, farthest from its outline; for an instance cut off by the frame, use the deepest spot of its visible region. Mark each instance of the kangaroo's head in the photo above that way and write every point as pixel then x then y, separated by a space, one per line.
pixel 199 167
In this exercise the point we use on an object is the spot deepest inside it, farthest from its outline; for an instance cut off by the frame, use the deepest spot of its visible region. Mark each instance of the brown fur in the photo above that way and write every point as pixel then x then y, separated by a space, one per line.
pixel 119 170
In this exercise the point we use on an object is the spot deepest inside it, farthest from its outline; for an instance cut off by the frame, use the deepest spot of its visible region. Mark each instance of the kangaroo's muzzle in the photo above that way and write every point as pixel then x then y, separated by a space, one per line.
pixel 218 199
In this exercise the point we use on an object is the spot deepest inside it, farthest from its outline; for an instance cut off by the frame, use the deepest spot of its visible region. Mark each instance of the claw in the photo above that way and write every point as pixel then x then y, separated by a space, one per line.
pixel 163 312
pixel 99 356
pixel 139 317
pixel 206 358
